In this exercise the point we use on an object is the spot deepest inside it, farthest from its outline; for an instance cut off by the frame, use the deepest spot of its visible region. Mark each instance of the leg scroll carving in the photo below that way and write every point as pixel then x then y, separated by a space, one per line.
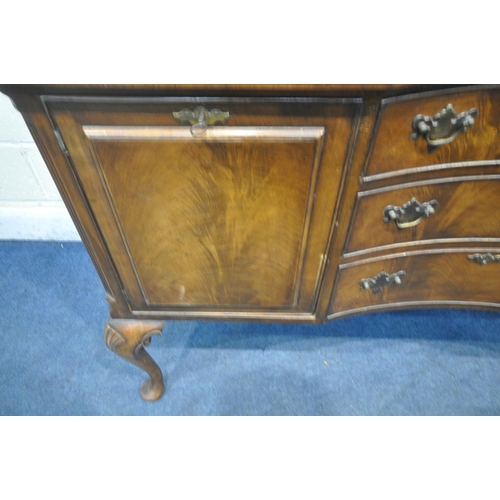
pixel 127 338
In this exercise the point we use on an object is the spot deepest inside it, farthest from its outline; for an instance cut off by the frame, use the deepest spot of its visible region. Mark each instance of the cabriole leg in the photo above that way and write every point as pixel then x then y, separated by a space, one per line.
pixel 127 338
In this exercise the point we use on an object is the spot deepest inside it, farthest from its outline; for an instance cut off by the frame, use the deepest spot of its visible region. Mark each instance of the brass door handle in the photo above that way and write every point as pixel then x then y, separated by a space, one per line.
pixel 380 281
pixel 410 214
pixel 444 128
pixel 201 118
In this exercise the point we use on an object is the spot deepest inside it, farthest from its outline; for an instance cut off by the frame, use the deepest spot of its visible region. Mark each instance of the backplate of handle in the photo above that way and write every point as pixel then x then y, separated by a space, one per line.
pixel 445 127
pixel 410 214
pixel 380 281
pixel 484 258
pixel 201 118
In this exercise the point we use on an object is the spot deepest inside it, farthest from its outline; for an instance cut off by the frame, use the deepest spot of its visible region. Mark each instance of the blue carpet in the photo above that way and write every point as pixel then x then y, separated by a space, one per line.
pixel 53 360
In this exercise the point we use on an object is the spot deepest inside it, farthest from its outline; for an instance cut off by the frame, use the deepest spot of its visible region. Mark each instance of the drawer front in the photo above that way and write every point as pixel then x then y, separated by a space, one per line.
pixel 229 217
pixel 421 278
pixel 426 212
pixel 394 150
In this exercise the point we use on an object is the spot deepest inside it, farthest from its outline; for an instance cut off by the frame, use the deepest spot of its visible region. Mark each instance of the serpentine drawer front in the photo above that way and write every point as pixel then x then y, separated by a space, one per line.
pixel 445 278
pixel 431 211
pixel 400 144
pixel 296 203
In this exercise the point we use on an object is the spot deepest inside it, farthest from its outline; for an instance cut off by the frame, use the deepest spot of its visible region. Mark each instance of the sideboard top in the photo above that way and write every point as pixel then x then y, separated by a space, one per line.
pixel 304 90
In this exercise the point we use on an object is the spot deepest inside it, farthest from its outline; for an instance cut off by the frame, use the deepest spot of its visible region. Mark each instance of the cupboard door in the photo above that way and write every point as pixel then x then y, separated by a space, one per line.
pixel 233 218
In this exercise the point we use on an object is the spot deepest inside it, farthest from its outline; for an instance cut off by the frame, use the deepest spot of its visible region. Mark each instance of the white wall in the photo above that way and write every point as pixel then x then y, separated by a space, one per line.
pixel 30 205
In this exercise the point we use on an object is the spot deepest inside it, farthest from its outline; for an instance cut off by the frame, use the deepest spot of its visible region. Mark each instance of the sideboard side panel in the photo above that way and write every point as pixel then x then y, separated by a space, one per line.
pixel 59 165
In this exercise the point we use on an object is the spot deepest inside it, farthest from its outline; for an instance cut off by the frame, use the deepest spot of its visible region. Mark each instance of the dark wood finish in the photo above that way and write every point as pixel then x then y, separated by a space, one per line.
pixel 127 338
pixel 454 169
pixel 433 277
pixel 235 222
pixel 275 215
pixel 42 130
pixel 217 90
pixel 360 142
pixel 394 150
pixel 467 210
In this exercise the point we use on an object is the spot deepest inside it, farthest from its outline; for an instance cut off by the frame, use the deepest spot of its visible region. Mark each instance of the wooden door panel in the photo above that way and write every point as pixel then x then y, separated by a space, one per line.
pixel 221 223
pixel 238 219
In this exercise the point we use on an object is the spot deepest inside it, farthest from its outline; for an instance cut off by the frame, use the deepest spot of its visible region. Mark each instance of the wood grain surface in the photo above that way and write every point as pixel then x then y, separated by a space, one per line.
pixel 430 276
pixel 236 220
pixel 106 200
pixel 467 208
pixel 394 150
pixel 268 217
pixel 212 223
pixel 236 90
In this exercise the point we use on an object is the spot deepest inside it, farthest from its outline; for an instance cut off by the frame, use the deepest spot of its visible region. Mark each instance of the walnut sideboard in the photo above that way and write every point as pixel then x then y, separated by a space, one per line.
pixel 290 203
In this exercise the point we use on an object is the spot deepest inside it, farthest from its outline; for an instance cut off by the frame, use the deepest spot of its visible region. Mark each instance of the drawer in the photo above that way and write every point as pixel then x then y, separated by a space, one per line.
pixel 393 150
pixel 443 209
pixel 425 278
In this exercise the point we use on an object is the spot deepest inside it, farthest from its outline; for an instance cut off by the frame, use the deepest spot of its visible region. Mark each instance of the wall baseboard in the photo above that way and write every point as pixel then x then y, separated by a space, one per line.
pixel 36 220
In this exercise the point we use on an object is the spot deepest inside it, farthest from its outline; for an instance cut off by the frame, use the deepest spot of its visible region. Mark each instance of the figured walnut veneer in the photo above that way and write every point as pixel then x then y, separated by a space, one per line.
pixel 277 213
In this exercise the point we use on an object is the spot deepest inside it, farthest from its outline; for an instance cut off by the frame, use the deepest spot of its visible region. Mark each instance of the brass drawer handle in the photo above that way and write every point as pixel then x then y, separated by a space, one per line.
pixel 379 282
pixel 484 258
pixel 201 118
pixel 410 214
pixel 444 128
